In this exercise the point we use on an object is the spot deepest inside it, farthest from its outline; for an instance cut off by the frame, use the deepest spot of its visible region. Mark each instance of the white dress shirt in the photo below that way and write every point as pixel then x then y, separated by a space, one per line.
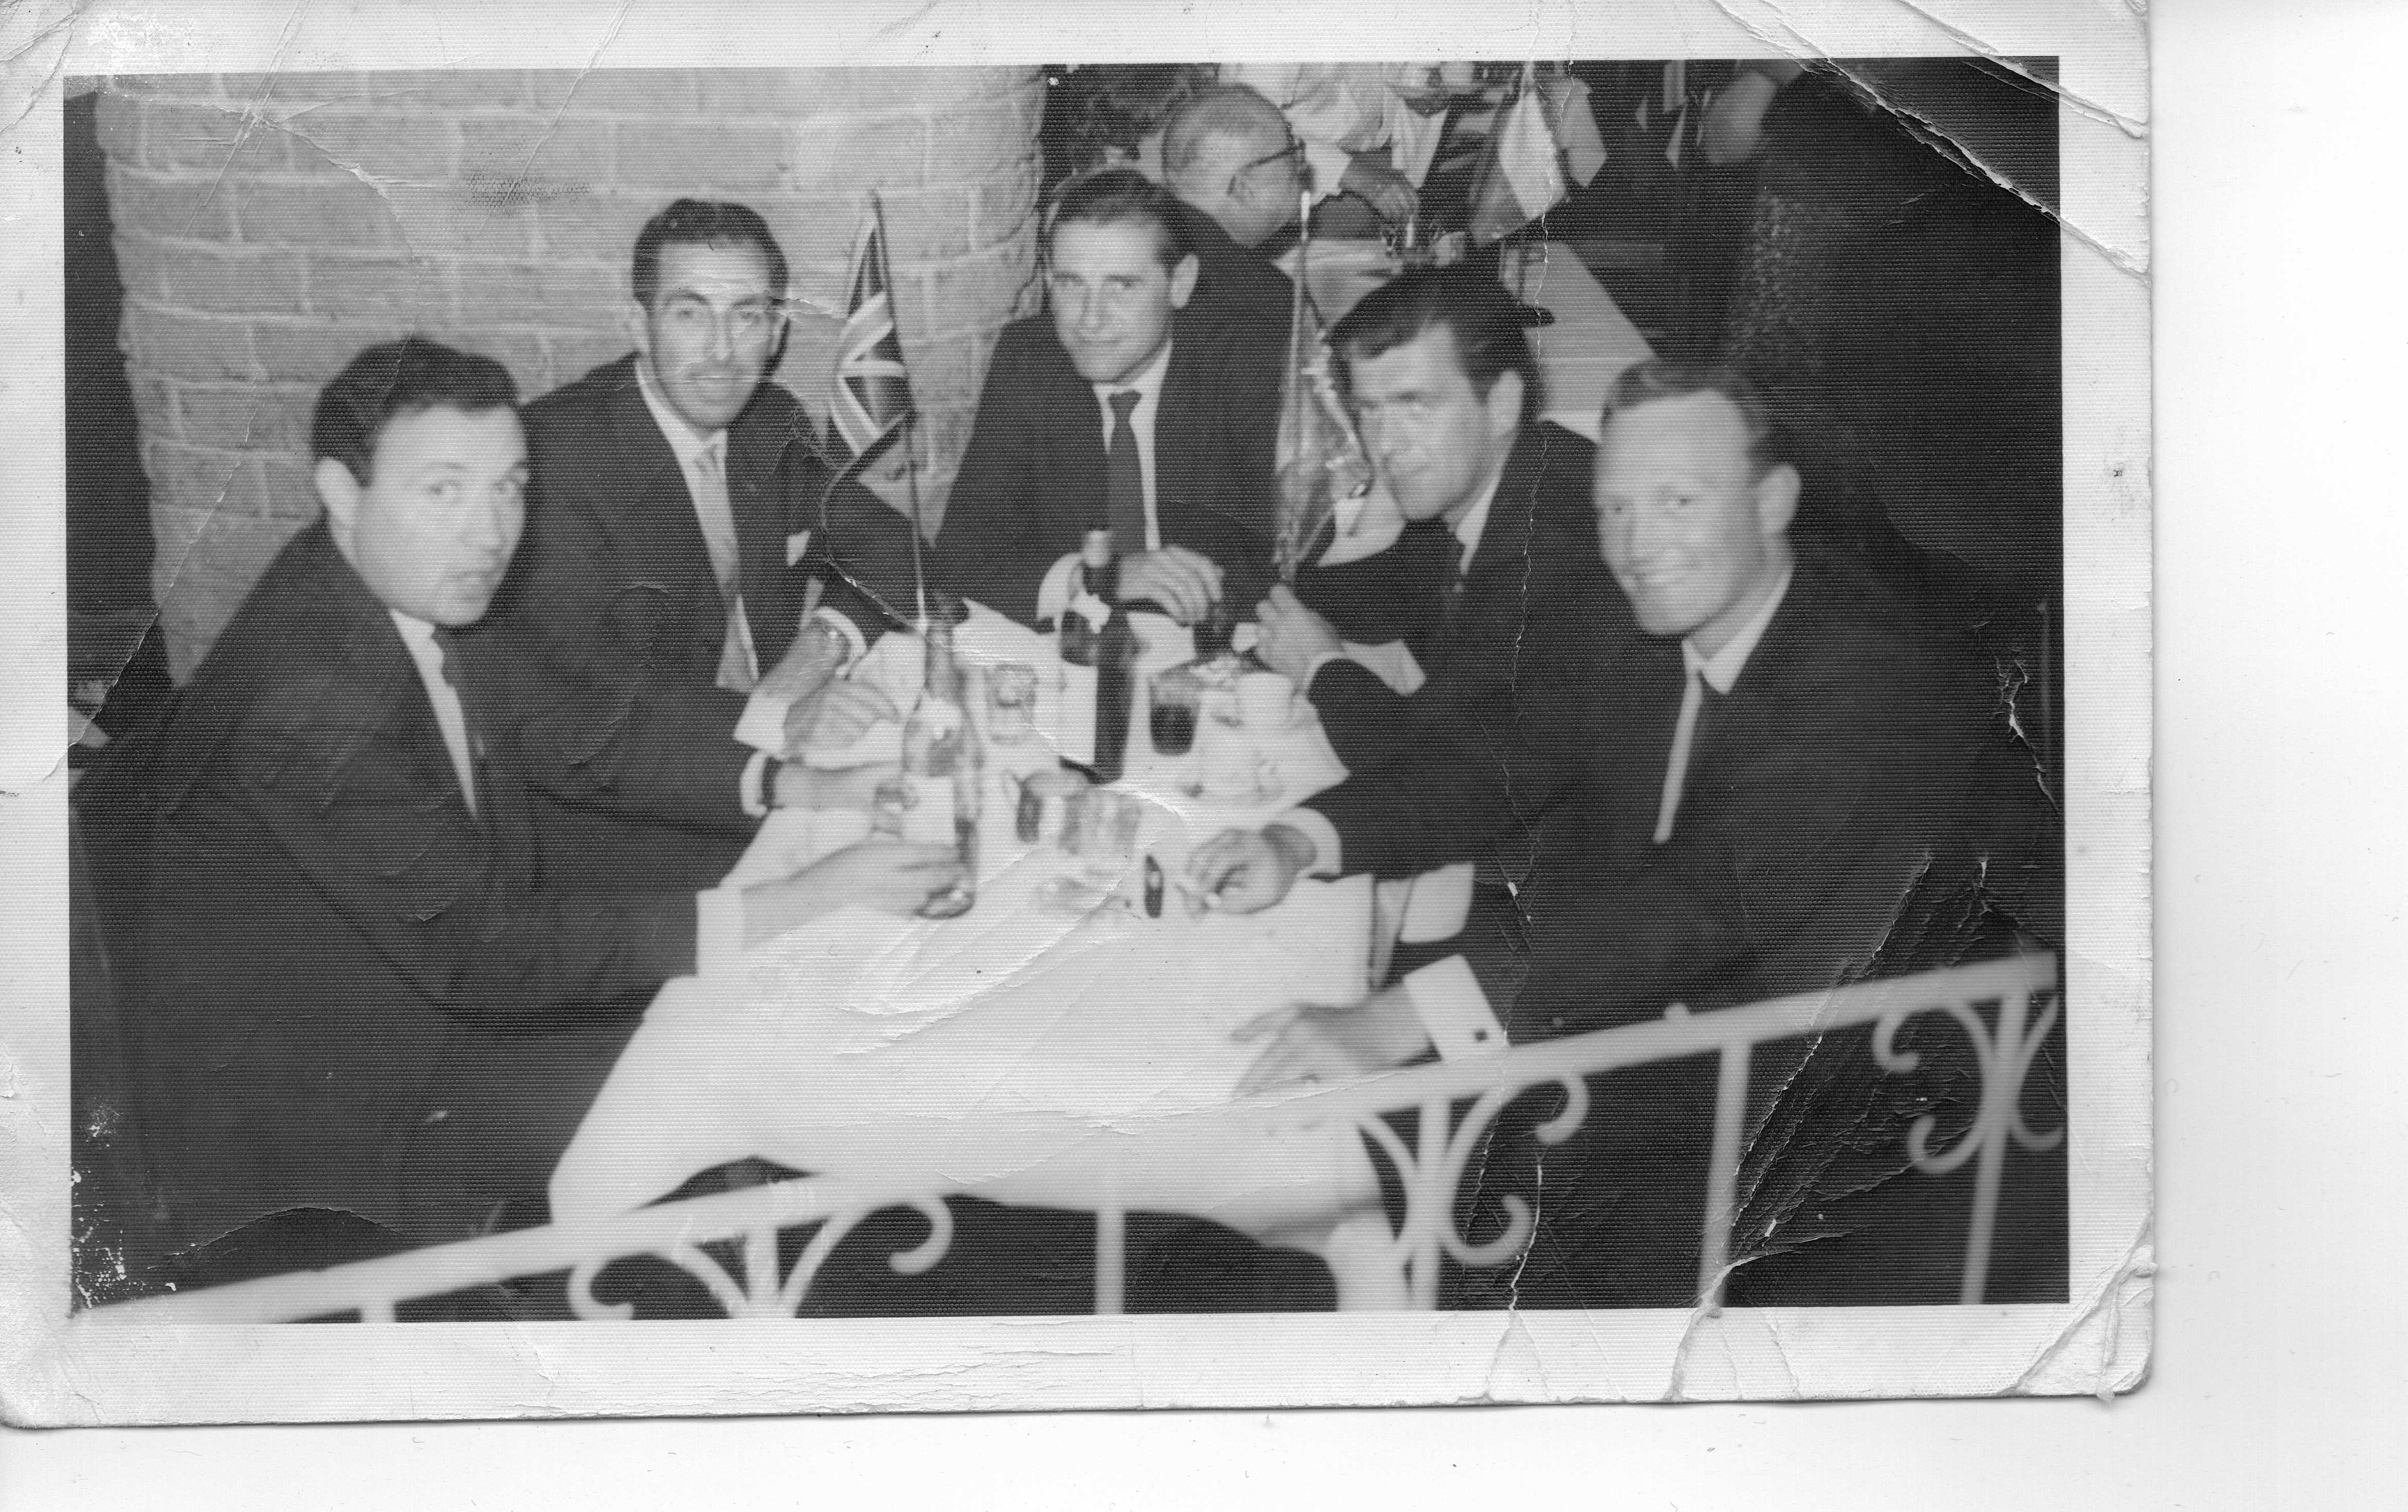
pixel 1339 109
pixel 1054 593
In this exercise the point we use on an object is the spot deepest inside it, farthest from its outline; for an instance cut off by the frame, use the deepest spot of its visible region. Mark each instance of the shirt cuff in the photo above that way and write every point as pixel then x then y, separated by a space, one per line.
pixel 1054 593
pixel 749 790
pixel 1329 163
pixel 1327 853
pixel 1454 1011
pixel 763 727
pixel 855 646
pixel 718 931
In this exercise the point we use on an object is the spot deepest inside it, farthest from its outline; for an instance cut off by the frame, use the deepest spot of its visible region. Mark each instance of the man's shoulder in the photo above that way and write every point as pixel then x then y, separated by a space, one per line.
pixel 583 396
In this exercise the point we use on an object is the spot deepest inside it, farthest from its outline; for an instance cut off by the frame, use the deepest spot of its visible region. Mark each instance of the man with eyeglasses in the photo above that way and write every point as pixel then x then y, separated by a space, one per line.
pixel 1229 156
pixel 676 533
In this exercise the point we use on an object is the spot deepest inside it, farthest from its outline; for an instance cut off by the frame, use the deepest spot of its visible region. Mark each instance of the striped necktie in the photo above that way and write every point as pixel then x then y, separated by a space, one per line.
pixel 717 517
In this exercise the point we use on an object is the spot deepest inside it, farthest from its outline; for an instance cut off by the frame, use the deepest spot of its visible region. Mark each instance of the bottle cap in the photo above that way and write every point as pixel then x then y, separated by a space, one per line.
pixel 1097 548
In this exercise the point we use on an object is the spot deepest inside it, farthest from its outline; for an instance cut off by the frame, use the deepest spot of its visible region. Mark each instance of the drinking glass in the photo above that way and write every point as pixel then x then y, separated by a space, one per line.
pixel 1012 703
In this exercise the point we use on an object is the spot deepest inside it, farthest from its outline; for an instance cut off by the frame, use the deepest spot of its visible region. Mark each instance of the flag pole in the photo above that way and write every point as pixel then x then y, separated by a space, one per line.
pixel 1290 551
pixel 911 415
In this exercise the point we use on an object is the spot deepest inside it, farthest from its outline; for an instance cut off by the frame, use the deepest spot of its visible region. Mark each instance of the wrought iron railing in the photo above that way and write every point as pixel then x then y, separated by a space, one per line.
pixel 758 1286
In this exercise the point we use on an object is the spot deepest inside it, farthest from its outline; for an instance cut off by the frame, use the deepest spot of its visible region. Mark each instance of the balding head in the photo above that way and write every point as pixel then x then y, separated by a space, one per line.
pixel 1221 154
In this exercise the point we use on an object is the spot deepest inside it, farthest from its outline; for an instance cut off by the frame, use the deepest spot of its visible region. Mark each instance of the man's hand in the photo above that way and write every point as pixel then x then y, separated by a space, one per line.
pixel 817 655
pixel 1312 1043
pixel 1185 584
pixel 885 875
pixel 1292 637
pixel 834 718
pixel 852 786
pixel 1246 871
pixel 1390 193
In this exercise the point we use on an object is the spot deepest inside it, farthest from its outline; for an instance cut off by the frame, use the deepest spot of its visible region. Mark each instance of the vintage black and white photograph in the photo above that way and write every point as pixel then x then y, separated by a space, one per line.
pixel 897 706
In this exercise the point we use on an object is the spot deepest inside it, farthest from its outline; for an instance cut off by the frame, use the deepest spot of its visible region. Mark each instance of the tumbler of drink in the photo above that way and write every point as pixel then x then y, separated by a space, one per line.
pixel 1268 702
pixel 1104 825
pixel 1012 703
pixel 1176 699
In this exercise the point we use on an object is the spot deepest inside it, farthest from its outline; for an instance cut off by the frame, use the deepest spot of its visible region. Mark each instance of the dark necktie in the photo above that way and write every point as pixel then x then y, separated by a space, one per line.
pixel 1124 480
pixel 445 639
pixel 1698 701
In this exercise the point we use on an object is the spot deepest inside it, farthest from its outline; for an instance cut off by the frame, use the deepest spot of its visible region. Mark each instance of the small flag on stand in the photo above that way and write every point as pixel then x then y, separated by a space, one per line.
pixel 1519 178
pixel 1320 458
pixel 872 403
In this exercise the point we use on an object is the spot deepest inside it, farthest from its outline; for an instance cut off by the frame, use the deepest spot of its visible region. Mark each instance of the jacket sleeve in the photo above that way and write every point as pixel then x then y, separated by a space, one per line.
pixel 989 545
pixel 425 888
pixel 1368 723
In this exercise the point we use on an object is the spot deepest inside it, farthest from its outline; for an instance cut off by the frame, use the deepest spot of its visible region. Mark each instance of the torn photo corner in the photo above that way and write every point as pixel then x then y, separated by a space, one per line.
pixel 1721 973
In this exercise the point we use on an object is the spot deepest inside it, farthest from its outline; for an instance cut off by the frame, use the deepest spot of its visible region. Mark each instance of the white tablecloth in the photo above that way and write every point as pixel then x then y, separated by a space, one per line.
pixel 1017 1047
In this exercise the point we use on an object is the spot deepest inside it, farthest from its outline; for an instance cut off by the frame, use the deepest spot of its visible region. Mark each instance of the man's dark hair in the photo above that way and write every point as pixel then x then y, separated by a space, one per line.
pixel 693 222
pixel 1468 303
pixel 1767 439
pixel 1118 197
pixel 394 379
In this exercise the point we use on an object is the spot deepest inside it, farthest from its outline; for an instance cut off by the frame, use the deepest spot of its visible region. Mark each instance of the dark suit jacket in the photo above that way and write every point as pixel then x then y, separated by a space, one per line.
pixel 1852 776
pixel 323 934
pixel 1851 811
pixel 616 623
pixel 1530 581
pixel 1032 480
pixel 1235 283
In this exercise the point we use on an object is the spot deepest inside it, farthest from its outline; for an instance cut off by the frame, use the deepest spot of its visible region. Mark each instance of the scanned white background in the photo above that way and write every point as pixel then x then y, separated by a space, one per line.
pixel 2281 1131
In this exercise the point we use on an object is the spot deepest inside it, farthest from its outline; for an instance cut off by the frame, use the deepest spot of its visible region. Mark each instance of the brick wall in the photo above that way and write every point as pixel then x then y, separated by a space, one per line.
pixel 270 226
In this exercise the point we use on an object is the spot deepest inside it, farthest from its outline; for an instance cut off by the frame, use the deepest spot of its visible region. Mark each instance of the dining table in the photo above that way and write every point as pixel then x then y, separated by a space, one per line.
pixel 1049 1055
pixel 1032 1052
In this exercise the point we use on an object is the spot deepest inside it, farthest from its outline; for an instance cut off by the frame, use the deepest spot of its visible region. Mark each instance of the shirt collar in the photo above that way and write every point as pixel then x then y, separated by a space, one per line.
pixel 1722 669
pixel 1148 383
pixel 682 438
pixel 1475 519
pixel 418 638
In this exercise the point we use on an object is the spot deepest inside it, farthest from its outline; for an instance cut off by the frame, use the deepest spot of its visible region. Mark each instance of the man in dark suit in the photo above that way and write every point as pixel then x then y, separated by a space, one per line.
pixel 1787 784
pixel 1229 156
pixel 1495 561
pixel 687 566
pixel 1114 411
pixel 354 989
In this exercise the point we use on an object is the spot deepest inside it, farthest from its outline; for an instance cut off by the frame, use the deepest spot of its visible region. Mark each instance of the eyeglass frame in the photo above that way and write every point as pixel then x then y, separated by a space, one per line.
pixel 1293 150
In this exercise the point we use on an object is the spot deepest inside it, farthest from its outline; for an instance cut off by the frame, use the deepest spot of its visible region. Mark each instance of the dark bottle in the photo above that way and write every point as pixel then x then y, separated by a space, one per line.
pixel 1098 653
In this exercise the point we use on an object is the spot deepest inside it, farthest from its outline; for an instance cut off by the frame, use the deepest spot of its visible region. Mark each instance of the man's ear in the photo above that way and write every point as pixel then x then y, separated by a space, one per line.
pixel 1182 280
pixel 1777 499
pixel 1503 404
pixel 339 491
pixel 638 323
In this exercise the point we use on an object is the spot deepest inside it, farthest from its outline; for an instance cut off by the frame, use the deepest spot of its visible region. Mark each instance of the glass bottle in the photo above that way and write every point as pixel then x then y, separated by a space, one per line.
pixel 939 787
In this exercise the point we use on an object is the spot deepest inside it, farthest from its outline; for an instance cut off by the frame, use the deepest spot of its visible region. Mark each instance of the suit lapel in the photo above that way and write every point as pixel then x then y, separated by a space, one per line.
pixel 1181 484
pixel 656 514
